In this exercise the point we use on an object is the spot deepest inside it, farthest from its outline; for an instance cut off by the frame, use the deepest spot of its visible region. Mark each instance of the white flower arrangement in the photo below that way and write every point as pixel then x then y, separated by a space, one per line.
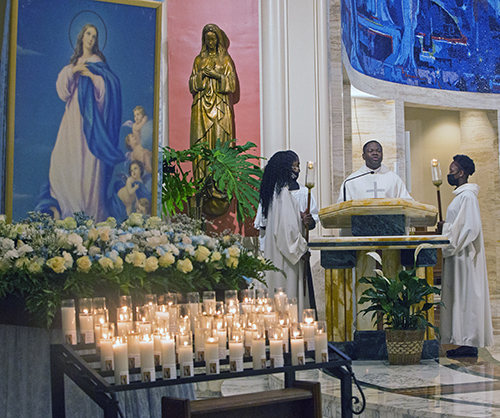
pixel 45 261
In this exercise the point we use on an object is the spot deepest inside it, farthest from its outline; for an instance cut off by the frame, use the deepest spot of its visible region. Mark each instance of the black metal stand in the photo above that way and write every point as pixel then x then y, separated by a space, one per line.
pixel 65 361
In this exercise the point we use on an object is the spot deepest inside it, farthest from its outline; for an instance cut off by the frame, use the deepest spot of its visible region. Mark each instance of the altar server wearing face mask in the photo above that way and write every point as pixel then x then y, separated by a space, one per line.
pixel 465 316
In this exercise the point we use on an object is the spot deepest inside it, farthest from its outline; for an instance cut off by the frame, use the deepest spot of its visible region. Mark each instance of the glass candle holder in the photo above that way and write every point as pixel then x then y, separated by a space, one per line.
pixel 170 299
pixel 247 296
pixel 173 318
pixel 280 300
pixel 212 351
pixel 236 351
pixel 163 317
pixel 321 342
pixel 230 295
pixel 437 178
pixel 86 321
pixel 209 295
pixel 219 308
pixel 146 349
pixel 120 360
pixel 106 353
pixel 125 301
pixel 108 330
pixel 259 347
pixel 310 174
pixel 185 352
pixel 261 293
pixel 98 304
pixel 168 357
pixel 275 334
pixel 284 323
pixel 134 354
pixel 293 310
pixel 297 345
pixel 193 300
pixel 68 314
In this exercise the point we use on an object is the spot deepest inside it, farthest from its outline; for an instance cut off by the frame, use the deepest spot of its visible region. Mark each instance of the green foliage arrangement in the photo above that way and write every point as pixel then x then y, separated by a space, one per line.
pixel 231 168
pixel 401 301
pixel 43 261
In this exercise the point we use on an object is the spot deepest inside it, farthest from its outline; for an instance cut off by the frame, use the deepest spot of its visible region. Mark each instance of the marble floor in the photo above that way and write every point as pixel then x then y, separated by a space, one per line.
pixel 442 387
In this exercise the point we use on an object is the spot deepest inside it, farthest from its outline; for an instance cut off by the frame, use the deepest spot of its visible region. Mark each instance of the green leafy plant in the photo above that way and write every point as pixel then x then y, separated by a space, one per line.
pixel 401 301
pixel 231 168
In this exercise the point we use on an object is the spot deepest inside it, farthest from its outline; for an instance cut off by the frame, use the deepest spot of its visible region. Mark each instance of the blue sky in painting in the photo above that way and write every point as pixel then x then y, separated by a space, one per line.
pixel 43 49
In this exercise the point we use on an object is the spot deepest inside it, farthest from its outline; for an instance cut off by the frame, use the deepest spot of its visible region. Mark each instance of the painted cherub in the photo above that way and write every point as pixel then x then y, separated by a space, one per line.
pixel 137 152
pixel 143 206
pixel 127 193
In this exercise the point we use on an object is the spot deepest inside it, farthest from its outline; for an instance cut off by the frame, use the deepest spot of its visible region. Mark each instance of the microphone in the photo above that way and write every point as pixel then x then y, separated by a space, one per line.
pixel 356 177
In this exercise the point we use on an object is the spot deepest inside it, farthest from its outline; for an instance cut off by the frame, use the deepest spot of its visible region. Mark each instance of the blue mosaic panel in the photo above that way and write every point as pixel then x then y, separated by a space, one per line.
pixel 442 44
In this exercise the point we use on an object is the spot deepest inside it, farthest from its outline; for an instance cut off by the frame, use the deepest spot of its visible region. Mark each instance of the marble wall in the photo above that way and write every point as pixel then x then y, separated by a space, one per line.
pixel 479 140
pixel 373 119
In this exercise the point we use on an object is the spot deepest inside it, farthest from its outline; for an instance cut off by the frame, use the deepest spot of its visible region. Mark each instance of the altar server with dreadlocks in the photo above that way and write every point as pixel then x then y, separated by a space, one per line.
pixel 280 222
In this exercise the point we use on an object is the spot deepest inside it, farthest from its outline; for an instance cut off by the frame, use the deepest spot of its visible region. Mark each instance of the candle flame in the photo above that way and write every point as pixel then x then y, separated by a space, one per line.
pixel 434 162
pixel 310 165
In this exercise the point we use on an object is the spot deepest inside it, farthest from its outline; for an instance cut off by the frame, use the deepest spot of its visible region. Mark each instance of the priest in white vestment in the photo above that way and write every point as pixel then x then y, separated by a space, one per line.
pixel 280 219
pixel 465 317
pixel 373 179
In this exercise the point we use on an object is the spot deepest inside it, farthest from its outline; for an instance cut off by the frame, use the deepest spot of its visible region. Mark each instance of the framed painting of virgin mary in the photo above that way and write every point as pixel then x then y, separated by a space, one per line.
pixel 83 108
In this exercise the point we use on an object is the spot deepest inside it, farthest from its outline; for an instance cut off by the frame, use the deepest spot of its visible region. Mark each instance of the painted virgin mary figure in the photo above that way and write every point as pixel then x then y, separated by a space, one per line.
pixel 86 149
pixel 212 83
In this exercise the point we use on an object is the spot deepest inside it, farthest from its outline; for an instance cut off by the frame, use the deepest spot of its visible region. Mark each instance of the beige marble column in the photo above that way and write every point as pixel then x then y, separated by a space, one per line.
pixel 339 304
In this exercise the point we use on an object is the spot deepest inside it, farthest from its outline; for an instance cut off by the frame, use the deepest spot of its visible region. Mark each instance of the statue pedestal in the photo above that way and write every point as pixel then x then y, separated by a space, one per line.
pixel 378 224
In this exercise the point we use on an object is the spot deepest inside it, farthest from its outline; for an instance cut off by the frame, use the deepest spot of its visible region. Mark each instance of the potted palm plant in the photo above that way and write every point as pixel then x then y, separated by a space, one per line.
pixel 402 304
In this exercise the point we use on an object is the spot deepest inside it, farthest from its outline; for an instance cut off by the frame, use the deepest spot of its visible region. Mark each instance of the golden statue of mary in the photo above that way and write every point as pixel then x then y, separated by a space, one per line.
pixel 212 82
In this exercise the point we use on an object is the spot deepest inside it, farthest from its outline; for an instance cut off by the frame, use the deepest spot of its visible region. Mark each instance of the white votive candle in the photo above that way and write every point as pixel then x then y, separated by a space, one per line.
pixel 120 356
pixel 134 353
pixel 122 328
pixel 87 328
pixel 321 341
pixel 298 356
pixel 236 355
pixel 276 352
pixel 286 339
pixel 146 347
pixel 321 347
pixel 186 360
pixel 68 315
pixel 106 354
pixel 212 355
pixel 168 358
pixel 308 334
pixel 222 335
pixel 248 342
pixel 157 349
pixel 259 353
pixel 293 311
